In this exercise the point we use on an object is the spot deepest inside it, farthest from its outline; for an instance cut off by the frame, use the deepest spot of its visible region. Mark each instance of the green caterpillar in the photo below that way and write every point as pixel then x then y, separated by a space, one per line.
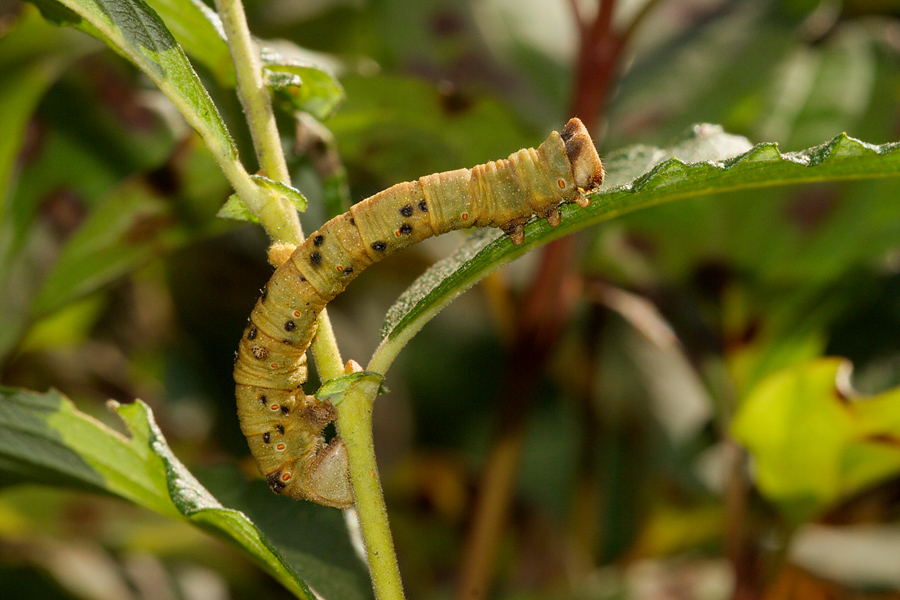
pixel 282 424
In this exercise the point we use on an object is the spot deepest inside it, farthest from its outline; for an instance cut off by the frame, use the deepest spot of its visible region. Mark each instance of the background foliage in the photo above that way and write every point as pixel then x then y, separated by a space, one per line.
pixel 119 282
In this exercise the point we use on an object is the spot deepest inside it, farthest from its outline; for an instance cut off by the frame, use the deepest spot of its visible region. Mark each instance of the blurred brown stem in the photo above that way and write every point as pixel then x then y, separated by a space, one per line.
pixel 545 311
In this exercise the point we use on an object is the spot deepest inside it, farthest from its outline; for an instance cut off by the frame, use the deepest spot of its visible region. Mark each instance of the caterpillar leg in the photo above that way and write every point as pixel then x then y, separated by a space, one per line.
pixel 514 229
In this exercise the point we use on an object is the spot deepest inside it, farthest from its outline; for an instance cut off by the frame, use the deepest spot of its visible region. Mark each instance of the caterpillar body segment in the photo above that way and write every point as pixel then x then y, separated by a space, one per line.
pixel 282 424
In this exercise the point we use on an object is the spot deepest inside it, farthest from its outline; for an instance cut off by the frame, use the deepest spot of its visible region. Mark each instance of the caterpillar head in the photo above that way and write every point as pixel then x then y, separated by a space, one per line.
pixel 586 165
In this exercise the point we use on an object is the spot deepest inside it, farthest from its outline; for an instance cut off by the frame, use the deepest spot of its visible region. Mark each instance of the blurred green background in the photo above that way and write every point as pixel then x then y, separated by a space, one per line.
pixel 119 282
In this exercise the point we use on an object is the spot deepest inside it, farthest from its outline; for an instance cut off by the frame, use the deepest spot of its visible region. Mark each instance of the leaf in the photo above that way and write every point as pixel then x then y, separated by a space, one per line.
pixel 402 128
pixel 132 225
pixel 306 86
pixel 639 178
pixel 33 55
pixel 198 30
pixel 812 444
pixel 136 31
pixel 334 389
pixel 44 438
pixel 276 189
pixel 22 86
pixel 235 208
pixel 127 226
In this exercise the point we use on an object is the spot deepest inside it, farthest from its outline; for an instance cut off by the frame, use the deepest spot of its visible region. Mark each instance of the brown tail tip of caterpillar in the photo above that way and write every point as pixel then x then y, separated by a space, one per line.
pixel 586 165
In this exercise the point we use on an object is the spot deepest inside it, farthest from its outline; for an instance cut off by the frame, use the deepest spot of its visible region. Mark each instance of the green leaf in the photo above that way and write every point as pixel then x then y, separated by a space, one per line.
pixel 402 128
pixel 812 444
pixel 306 86
pixel 276 189
pixel 132 225
pixel 639 178
pixel 199 31
pixel 127 226
pixel 235 208
pixel 133 29
pixel 334 389
pixel 33 55
pixel 31 59
pixel 20 91
pixel 44 438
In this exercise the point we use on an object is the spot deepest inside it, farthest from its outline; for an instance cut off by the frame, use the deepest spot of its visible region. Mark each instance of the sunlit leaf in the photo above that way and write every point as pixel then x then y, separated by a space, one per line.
pixel 812 444
pixel 235 208
pixel 44 438
pixel 307 86
pixel 334 389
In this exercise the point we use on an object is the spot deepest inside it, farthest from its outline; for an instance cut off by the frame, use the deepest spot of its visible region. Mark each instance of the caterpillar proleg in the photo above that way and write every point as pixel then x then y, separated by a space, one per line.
pixel 282 424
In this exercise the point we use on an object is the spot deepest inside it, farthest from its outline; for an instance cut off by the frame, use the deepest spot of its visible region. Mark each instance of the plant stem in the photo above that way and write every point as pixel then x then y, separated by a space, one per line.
pixel 252 90
pixel 355 428
pixel 280 220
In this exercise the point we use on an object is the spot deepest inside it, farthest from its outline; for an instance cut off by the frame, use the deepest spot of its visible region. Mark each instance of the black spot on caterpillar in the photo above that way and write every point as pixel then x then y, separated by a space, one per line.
pixel 282 424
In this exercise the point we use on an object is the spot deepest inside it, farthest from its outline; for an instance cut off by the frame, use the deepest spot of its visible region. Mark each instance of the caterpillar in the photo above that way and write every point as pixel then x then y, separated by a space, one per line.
pixel 282 424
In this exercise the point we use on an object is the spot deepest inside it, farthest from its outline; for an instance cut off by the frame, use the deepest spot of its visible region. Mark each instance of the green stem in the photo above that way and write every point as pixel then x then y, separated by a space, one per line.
pixel 280 220
pixel 252 90
pixel 355 428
